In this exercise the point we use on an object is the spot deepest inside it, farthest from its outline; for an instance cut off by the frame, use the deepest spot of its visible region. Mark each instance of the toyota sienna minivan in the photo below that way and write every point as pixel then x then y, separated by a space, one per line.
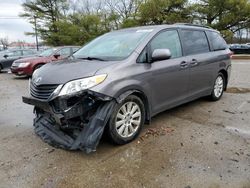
pixel 120 80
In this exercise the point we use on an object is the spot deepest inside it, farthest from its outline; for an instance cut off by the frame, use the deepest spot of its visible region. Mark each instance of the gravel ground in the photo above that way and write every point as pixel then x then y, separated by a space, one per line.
pixel 199 144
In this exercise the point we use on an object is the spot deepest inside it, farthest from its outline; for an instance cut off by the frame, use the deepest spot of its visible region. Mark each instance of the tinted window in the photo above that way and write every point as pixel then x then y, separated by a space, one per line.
pixel 216 41
pixel 167 40
pixel 194 42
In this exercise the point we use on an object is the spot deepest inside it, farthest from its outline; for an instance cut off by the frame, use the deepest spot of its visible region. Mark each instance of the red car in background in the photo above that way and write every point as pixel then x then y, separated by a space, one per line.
pixel 26 66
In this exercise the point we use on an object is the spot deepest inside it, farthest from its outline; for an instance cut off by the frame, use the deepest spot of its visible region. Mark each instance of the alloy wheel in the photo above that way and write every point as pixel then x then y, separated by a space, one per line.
pixel 128 119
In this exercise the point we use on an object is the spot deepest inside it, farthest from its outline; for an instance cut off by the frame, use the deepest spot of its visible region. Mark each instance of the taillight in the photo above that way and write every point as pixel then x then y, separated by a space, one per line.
pixel 231 54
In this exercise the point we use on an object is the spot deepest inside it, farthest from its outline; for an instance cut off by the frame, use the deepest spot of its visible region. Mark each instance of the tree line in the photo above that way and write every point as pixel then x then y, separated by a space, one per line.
pixel 68 22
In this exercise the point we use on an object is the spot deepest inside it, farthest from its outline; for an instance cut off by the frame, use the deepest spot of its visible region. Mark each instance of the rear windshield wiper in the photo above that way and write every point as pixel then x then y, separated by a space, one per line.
pixel 92 58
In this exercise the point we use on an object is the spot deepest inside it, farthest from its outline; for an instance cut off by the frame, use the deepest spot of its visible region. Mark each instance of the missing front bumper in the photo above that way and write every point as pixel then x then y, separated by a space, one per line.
pixel 79 126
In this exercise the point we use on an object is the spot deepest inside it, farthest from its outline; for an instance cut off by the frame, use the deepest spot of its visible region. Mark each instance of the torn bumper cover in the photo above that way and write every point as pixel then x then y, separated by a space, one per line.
pixel 72 123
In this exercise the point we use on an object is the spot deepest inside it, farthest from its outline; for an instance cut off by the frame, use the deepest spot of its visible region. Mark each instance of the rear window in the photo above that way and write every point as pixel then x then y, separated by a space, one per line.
pixel 194 42
pixel 216 41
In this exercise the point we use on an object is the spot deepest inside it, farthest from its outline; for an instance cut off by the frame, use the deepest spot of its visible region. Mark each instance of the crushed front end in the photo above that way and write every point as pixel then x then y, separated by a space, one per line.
pixel 74 121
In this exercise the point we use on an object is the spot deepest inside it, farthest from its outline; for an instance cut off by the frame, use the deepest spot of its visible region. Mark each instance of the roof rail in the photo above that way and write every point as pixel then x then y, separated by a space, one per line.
pixel 190 24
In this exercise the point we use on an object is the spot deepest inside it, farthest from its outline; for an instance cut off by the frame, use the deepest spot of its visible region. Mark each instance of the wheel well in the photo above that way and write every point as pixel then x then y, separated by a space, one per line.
pixel 144 99
pixel 225 76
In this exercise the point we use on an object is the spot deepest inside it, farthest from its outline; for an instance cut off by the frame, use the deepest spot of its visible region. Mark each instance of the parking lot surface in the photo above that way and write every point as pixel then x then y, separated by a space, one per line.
pixel 199 144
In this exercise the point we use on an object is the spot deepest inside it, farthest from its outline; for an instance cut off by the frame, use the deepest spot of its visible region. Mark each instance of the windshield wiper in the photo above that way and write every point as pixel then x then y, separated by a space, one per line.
pixel 92 58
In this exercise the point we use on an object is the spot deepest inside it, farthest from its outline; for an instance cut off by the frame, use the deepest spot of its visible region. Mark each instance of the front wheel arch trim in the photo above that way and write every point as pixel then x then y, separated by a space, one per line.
pixel 142 96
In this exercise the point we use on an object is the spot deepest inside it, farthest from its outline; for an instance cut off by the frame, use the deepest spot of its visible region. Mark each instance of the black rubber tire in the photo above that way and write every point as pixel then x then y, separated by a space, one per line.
pixel 1 68
pixel 112 133
pixel 212 96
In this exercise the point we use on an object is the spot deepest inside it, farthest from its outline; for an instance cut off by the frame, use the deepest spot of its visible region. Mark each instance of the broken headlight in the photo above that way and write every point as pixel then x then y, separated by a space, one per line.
pixel 81 84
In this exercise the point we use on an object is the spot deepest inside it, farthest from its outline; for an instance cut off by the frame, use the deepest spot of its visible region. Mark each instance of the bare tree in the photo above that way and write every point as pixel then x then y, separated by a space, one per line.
pixel 4 42
pixel 124 8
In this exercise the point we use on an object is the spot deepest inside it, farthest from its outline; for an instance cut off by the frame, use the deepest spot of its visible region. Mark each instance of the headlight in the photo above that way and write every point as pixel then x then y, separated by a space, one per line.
pixel 81 84
pixel 24 64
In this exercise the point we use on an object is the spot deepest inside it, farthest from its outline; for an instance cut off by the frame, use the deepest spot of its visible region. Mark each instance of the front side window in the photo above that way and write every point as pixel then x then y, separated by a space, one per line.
pixel 194 42
pixel 164 40
pixel 64 52
pixel 167 40
pixel 113 46
pixel 74 49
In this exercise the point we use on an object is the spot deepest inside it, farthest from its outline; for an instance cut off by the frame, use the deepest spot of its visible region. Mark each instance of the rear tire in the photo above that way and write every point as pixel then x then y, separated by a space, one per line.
pixel 218 88
pixel 127 120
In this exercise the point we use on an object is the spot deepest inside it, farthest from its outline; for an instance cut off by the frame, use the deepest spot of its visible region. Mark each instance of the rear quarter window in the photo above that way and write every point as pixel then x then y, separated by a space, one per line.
pixel 194 42
pixel 216 41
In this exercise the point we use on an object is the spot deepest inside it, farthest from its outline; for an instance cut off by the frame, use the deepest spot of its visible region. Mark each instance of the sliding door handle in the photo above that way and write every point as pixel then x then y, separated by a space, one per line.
pixel 184 64
pixel 194 62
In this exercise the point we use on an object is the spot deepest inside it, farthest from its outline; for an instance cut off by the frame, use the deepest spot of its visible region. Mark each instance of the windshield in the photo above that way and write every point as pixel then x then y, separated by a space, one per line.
pixel 47 52
pixel 112 46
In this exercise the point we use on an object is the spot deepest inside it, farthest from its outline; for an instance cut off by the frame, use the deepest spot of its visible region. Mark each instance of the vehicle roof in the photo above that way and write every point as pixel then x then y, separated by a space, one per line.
pixel 165 26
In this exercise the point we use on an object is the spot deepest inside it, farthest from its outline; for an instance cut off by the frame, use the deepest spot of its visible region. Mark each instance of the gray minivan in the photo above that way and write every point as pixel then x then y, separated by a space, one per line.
pixel 122 79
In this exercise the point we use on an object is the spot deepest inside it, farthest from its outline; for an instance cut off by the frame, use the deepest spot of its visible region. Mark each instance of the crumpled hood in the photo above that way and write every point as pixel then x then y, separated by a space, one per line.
pixel 61 72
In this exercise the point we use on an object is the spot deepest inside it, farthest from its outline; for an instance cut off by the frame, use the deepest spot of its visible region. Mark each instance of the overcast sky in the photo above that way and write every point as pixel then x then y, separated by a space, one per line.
pixel 13 28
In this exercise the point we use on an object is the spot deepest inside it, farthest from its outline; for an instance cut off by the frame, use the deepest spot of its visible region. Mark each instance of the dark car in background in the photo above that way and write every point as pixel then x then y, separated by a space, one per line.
pixel 124 78
pixel 26 66
pixel 240 48
pixel 7 57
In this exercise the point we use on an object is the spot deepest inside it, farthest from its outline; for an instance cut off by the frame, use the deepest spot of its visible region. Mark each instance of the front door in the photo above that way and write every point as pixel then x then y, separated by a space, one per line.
pixel 170 77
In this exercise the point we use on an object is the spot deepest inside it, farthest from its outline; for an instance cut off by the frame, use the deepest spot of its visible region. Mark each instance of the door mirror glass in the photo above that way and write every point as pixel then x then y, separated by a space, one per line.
pixel 161 54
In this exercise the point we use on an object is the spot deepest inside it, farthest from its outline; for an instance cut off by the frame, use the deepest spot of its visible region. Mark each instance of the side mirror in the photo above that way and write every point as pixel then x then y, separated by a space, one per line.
pixel 56 56
pixel 5 56
pixel 161 54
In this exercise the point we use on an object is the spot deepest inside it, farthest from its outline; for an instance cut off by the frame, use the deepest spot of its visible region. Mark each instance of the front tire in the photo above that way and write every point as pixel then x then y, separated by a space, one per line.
pixel 127 120
pixel 218 88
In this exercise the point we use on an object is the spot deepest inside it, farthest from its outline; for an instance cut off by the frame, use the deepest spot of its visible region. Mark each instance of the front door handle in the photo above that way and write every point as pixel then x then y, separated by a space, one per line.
pixel 194 62
pixel 184 64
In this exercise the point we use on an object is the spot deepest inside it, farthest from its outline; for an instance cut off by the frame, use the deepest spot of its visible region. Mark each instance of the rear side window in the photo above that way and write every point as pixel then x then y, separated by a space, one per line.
pixel 27 52
pixel 167 40
pixel 216 41
pixel 194 42
pixel 74 49
pixel 14 53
